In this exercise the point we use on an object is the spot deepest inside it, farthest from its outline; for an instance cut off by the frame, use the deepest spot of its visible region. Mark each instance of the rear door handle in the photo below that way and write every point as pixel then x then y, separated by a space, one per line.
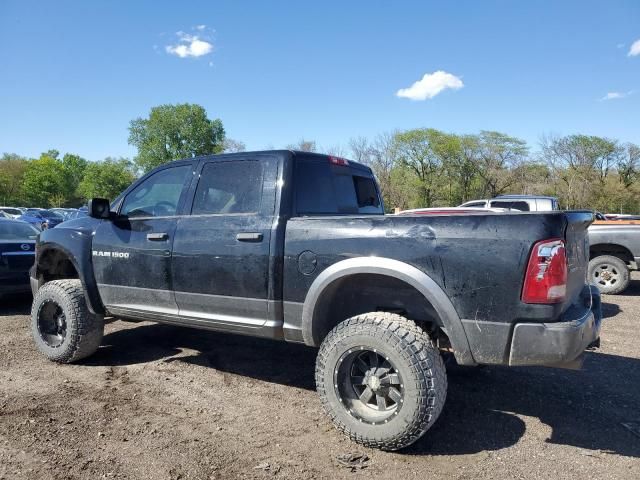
pixel 157 236
pixel 249 237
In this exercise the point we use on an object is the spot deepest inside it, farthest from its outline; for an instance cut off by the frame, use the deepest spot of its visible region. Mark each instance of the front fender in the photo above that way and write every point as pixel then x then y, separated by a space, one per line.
pixel 74 244
pixel 402 271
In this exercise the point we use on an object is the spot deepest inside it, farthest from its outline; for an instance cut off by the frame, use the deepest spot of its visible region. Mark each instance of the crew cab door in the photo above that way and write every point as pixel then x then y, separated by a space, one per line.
pixel 221 250
pixel 132 254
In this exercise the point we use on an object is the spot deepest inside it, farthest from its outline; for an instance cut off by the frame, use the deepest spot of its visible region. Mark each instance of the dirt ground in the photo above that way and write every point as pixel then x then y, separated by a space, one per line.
pixel 161 402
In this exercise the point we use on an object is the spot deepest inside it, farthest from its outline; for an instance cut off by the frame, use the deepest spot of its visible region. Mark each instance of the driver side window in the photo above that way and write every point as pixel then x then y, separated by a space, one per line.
pixel 158 195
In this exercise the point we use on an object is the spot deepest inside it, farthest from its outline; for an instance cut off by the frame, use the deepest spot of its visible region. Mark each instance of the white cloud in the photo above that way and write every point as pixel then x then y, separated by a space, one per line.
pixel 616 95
pixel 430 85
pixel 200 27
pixel 635 49
pixel 189 46
pixel 620 45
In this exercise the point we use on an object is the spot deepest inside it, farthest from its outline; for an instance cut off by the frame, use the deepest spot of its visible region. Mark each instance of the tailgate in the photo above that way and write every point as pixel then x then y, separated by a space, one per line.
pixel 577 248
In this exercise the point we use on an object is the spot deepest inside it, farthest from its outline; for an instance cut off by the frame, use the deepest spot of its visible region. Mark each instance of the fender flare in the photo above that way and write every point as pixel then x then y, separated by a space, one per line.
pixel 402 271
pixel 94 304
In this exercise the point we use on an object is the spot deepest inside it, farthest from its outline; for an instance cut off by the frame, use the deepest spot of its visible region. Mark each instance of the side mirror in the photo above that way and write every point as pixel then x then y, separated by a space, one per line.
pixel 99 208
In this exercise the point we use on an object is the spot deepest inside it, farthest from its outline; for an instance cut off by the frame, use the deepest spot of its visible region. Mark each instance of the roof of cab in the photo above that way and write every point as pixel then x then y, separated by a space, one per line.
pixel 517 196
pixel 295 154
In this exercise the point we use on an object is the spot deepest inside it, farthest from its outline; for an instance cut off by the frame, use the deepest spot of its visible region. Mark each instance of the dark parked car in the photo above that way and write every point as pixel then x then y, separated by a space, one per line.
pixel 295 246
pixel 17 249
pixel 41 218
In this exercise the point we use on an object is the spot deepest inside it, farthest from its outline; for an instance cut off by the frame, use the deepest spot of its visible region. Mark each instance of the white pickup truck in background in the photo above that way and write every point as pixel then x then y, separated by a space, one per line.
pixel 523 203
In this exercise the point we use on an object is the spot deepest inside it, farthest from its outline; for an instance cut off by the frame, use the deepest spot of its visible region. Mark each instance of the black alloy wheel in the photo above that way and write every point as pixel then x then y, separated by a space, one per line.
pixel 368 385
pixel 52 324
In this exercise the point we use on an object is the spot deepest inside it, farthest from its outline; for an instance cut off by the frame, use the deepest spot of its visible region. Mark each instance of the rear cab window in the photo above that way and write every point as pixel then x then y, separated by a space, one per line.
pixel 327 188
pixel 511 205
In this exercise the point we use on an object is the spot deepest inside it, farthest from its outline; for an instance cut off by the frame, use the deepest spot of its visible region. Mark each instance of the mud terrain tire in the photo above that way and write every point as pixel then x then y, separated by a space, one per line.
pixel 63 328
pixel 381 380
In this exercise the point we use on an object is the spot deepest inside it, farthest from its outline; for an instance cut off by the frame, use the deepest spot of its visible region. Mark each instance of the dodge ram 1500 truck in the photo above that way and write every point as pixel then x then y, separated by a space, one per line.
pixel 296 246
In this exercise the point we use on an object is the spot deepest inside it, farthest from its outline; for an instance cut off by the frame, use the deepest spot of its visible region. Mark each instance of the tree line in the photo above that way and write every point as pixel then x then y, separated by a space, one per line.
pixel 421 167
pixel 429 168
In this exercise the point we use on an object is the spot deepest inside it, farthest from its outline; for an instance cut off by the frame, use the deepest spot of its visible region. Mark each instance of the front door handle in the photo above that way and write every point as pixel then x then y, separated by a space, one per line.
pixel 249 237
pixel 157 236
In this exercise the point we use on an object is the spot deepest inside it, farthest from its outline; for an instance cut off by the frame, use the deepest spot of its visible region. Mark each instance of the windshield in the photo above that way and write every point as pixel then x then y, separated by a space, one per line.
pixel 17 231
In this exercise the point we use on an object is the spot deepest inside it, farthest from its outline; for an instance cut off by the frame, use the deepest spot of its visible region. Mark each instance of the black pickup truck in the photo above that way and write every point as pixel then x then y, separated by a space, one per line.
pixel 296 246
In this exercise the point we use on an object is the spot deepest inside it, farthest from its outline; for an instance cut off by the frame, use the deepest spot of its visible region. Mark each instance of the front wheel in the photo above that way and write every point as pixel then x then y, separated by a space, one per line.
pixel 63 328
pixel 381 380
pixel 610 274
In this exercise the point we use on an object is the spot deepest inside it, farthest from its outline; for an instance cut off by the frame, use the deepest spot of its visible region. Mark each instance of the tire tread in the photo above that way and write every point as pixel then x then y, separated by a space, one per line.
pixel 424 359
pixel 85 329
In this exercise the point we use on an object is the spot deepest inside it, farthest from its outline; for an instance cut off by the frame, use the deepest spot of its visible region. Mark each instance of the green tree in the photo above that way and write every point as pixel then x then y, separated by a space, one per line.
pixel 12 168
pixel 74 167
pixel 414 150
pixel 585 155
pixel 459 156
pixel 581 165
pixel 173 132
pixel 44 182
pixel 106 179
pixel 628 164
pixel 498 155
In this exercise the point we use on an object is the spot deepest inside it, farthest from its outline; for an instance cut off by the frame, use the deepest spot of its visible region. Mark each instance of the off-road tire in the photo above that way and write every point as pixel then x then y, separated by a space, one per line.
pixel 415 358
pixel 616 265
pixel 84 330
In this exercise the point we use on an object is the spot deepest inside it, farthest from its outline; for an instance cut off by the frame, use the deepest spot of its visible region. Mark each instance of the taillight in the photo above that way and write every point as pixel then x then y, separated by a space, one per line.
pixel 546 277
pixel 339 161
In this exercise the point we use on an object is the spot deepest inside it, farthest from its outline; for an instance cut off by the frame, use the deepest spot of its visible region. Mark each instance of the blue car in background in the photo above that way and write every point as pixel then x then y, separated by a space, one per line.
pixel 17 254
pixel 41 218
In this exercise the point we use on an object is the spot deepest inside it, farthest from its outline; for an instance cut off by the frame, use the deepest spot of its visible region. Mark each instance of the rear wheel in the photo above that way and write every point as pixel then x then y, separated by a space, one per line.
pixel 381 380
pixel 63 328
pixel 609 273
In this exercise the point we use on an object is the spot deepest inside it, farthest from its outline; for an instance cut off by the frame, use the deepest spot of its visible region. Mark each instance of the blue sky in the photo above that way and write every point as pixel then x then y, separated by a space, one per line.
pixel 73 74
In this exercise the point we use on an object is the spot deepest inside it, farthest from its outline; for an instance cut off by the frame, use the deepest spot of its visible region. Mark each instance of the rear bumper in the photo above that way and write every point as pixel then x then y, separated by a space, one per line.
pixel 558 343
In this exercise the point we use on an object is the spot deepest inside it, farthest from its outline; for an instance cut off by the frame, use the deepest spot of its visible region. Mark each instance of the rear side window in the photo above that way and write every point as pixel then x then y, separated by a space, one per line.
pixel 322 188
pixel 511 205
pixel 229 188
